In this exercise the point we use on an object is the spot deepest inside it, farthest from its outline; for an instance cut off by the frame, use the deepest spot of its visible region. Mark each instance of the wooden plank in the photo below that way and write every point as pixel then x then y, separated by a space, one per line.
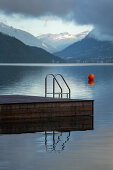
pixel 7 99
pixel 27 107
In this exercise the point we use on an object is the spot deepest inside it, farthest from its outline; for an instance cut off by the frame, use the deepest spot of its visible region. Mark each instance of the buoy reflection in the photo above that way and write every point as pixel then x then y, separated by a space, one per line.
pixel 91 82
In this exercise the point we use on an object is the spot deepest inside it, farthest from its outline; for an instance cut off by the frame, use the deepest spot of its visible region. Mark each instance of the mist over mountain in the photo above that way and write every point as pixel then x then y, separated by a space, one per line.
pixel 89 50
pixel 62 40
pixel 15 51
pixel 25 37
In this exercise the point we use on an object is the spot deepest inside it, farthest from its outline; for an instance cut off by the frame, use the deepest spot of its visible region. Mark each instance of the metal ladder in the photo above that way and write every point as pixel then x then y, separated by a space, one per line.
pixel 56 81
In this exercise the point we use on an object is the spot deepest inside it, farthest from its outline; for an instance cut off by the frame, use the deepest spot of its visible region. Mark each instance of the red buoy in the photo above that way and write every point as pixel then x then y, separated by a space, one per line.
pixel 91 76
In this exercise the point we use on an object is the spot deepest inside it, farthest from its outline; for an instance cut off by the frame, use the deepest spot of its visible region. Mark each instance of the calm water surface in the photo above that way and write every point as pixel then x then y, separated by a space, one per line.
pixel 79 150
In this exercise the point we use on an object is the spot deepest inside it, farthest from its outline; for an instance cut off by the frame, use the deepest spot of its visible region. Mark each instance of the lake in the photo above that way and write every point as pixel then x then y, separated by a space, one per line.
pixel 80 150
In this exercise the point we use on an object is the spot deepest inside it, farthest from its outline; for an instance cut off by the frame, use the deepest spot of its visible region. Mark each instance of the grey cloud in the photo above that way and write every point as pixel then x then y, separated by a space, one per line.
pixel 38 7
pixel 98 13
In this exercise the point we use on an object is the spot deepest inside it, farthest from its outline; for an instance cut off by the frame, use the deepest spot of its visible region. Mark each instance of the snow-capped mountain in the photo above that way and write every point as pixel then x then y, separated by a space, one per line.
pixel 49 42
pixel 25 37
pixel 62 40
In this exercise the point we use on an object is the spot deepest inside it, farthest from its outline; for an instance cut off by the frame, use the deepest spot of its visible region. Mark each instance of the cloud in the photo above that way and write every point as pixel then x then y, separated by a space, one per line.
pixel 93 12
pixel 97 13
pixel 38 7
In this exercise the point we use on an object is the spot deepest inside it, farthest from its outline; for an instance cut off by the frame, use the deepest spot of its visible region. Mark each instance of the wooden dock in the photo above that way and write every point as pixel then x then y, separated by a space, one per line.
pixel 22 114
pixel 32 107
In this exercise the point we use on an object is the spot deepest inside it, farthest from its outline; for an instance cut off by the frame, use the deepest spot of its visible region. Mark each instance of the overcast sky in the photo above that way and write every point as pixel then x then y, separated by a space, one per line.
pixel 43 25
pixel 54 16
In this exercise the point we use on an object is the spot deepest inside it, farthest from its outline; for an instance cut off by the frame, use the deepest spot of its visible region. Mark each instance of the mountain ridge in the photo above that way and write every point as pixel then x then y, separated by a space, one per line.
pixel 88 49
pixel 13 50
pixel 23 36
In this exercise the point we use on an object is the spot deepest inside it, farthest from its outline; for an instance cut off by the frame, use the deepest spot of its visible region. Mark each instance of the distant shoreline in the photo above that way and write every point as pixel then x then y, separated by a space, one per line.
pixel 55 64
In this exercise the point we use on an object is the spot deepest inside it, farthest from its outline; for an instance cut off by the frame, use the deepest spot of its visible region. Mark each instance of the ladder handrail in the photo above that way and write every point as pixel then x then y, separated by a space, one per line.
pixel 64 82
pixel 54 79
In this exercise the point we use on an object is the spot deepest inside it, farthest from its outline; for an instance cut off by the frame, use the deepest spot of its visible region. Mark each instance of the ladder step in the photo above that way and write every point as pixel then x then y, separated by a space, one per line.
pixel 57 93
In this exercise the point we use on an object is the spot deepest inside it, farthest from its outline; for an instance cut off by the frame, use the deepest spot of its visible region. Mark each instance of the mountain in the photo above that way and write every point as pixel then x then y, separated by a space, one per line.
pixel 25 37
pixel 62 40
pixel 15 51
pixel 88 50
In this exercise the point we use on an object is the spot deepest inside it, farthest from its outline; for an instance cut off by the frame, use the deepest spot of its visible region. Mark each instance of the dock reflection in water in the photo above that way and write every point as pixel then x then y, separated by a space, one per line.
pixel 54 137
pixel 61 124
